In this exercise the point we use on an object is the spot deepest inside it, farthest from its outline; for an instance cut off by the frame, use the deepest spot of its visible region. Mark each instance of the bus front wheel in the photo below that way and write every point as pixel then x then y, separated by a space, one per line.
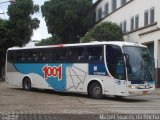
pixel 95 90
pixel 27 84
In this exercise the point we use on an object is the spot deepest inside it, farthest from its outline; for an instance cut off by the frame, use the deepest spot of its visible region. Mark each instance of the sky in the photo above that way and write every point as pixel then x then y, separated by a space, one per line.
pixel 41 32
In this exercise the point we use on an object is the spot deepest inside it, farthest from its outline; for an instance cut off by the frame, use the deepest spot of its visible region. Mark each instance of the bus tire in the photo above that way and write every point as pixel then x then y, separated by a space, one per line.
pixel 26 84
pixel 95 90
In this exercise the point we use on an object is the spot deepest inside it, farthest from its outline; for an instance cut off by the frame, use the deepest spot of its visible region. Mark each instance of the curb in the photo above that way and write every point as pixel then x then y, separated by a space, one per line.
pixel 2 79
pixel 157 92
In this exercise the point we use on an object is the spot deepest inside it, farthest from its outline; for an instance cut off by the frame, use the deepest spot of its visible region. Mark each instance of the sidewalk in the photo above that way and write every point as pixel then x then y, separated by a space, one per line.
pixel 157 91
pixel 1 79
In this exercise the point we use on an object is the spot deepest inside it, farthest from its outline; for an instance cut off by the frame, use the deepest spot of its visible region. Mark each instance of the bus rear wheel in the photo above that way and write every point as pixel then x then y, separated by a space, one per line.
pixel 26 84
pixel 95 90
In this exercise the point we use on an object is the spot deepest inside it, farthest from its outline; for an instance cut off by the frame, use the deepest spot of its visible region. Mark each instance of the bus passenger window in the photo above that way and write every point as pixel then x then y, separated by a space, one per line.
pixel 99 54
pixel 95 54
pixel 71 55
pixel 11 56
pixel 82 54
pixel 63 54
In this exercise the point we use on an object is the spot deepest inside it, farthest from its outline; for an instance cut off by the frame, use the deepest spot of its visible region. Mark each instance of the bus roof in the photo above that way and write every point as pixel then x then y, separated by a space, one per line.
pixel 119 43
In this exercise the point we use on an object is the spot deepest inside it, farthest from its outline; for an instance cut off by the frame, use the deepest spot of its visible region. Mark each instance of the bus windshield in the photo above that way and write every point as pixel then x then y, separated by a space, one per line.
pixel 139 63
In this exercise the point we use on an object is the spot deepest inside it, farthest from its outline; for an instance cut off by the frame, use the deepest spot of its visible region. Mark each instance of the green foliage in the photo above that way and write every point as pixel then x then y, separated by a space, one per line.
pixel 17 31
pixel 49 41
pixel 3 38
pixel 21 23
pixel 106 31
pixel 68 19
pixel 3 42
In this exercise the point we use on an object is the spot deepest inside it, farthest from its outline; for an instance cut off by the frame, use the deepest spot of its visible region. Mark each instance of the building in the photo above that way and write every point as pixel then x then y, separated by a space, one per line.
pixel 139 20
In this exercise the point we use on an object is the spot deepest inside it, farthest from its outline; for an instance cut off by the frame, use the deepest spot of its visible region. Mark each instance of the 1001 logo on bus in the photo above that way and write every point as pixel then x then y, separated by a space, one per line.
pixel 52 71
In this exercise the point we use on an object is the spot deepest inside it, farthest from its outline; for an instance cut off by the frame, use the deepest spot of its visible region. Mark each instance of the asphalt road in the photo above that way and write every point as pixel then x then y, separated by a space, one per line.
pixel 14 100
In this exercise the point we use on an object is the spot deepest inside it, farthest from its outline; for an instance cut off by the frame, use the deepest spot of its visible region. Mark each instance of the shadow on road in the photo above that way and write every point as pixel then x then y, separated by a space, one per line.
pixel 113 98
pixel 126 99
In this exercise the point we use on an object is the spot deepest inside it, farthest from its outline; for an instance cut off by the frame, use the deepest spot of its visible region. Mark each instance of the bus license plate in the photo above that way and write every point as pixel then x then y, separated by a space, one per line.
pixel 145 92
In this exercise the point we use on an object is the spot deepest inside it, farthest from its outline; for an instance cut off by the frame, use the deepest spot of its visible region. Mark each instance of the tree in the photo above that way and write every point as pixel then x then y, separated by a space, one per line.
pixel 49 41
pixel 68 19
pixel 3 45
pixel 21 23
pixel 106 31
pixel 3 35
pixel 17 31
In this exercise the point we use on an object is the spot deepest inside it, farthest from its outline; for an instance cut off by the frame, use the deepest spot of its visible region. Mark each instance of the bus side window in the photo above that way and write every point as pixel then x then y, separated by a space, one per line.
pixel 43 55
pixel 35 57
pixel 90 52
pixel 20 56
pixel 24 57
pixel 82 54
pixel 63 54
pixel 72 54
pixel 95 54
pixel 31 56
pixel 11 56
pixel 54 57
pixel 99 54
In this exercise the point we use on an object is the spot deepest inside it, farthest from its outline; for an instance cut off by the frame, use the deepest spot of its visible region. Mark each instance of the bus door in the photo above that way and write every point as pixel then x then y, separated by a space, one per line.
pixel 116 68
pixel 120 76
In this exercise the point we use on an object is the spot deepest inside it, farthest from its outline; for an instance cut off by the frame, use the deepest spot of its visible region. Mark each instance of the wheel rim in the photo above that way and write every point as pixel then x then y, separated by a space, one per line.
pixel 27 84
pixel 97 91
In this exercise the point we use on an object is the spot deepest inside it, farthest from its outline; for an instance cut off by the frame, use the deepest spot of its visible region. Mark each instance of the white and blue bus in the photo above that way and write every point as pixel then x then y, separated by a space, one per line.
pixel 96 69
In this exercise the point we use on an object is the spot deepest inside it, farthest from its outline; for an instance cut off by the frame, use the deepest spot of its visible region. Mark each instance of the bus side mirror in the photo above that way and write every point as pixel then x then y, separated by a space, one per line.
pixel 153 60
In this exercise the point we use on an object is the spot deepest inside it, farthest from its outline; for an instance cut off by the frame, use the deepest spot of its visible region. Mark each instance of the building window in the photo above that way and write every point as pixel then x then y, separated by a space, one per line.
pixel 152 15
pixel 123 2
pixel 99 13
pixel 146 18
pixel 149 16
pixel 106 9
pixel 114 5
pixel 132 23
pixel 123 26
pixel 136 21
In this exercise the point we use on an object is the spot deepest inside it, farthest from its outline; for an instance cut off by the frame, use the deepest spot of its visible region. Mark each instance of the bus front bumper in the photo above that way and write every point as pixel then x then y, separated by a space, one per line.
pixel 138 92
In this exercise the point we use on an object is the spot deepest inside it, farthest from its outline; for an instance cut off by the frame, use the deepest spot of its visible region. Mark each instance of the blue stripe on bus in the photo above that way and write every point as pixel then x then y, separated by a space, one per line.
pixel 56 82
pixel 55 74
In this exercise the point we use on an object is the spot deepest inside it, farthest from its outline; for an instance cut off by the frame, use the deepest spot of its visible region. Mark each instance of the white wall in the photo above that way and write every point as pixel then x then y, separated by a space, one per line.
pixel 133 8
pixel 102 5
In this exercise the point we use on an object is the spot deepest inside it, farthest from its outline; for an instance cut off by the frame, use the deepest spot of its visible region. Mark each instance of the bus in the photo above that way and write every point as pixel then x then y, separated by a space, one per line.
pixel 97 68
